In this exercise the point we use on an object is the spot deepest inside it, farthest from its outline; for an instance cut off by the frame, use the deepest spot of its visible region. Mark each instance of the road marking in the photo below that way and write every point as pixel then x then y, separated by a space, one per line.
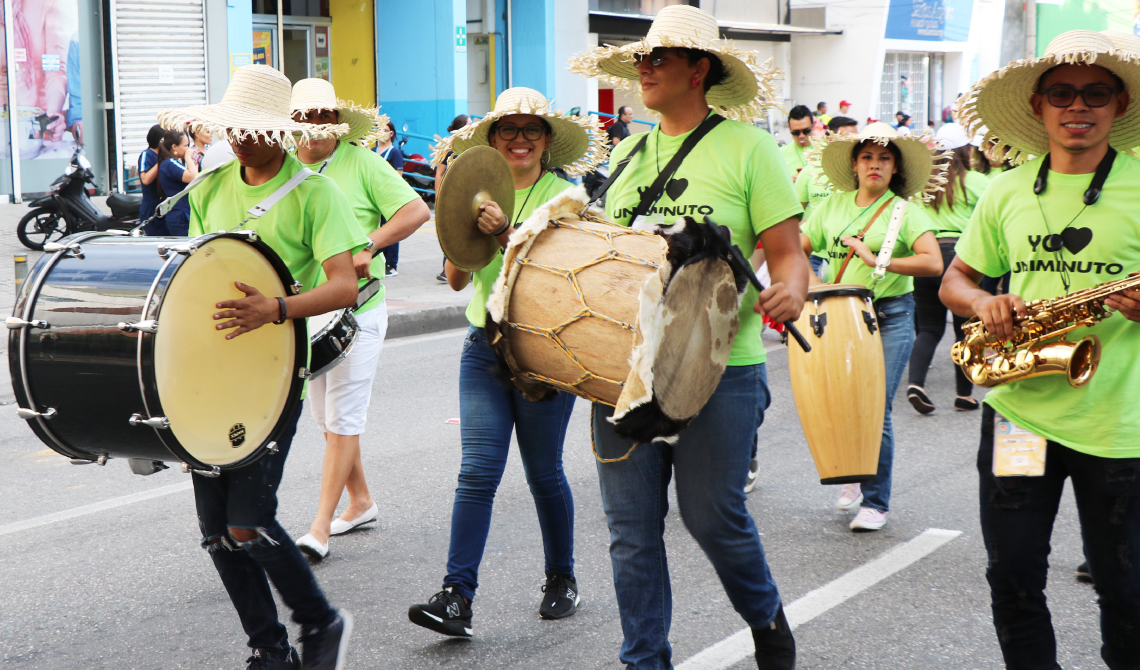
pixel 738 646
pixel 94 508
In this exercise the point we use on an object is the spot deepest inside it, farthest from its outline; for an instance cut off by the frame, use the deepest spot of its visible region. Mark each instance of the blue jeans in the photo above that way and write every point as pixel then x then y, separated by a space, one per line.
pixel 391 255
pixel 896 324
pixel 1017 516
pixel 247 498
pixel 816 263
pixel 710 461
pixel 488 410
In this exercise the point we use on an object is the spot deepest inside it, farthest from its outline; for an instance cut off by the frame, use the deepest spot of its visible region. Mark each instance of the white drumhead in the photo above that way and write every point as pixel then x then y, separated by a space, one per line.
pixel 217 392
pixel 320 322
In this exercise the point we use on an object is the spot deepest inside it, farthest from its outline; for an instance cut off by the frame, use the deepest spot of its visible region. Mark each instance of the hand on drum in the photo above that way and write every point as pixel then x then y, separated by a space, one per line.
pixel 362 263
pixel 1126 302
pixel 997 313
pixel 778 303
pixel 249 313
pixel 861 250
pixel 491 218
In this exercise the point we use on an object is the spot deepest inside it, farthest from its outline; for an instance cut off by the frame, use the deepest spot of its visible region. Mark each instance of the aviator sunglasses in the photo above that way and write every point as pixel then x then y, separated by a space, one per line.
pixel 1094 96
pixel 804 131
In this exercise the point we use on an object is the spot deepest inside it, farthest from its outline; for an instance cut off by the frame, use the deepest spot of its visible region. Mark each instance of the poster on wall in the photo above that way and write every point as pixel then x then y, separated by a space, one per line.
pixel 321 35
pixel 49 100
pixel 1058 16
pixel 929 20
pixel 263 48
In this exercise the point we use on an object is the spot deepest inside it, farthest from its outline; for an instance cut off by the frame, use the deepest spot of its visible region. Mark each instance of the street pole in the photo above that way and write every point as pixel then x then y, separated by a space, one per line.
pixel 280 37
pixel 13 103
pixel 1030 28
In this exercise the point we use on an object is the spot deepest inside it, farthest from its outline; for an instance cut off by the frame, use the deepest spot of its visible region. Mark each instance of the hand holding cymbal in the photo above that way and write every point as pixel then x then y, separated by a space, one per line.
pixel 476 177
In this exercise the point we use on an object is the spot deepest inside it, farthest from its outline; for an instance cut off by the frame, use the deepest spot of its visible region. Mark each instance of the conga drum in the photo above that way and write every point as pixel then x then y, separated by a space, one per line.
pixel 113 351
pixel 840 386
pixel 599 310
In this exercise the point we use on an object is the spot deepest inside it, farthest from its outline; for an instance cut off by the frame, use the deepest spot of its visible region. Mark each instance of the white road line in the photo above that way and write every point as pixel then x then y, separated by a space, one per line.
pixel 94 508
pixel 738 646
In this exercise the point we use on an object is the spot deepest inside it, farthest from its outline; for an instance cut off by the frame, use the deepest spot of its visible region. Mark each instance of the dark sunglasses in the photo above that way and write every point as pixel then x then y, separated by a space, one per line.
pixel 805 131
pixel 532 133
pixel 1097 95
pixel 655 57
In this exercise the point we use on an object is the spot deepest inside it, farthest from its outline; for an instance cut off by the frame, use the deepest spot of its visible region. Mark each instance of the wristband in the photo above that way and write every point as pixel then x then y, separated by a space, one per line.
pixel 284 312
pixel 501 230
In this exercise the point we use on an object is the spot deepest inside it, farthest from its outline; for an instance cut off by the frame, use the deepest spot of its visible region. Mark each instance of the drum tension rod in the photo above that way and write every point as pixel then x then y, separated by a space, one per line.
pixel 212 472
pixel 15 323
pixel 296 286
pixel 870 321
pixel 187 249
pixel 29 414
pixel 148 326
pixel 818 323
pixel 74 248
pixel 159 422
pixel 100 460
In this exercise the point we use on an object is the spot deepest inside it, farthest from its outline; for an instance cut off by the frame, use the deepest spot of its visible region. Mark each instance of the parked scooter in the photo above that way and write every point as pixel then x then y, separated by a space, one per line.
pixel 68 209
pixel 417 173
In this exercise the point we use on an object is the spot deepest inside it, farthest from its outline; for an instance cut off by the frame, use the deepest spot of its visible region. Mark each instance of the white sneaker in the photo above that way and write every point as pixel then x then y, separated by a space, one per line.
pixel 753 472
pixel 849 497
pixel 869 519
pixel 340 526
pixel 310 547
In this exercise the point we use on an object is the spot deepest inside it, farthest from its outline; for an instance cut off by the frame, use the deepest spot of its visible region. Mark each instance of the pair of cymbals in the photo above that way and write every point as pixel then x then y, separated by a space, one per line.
pixel 474 177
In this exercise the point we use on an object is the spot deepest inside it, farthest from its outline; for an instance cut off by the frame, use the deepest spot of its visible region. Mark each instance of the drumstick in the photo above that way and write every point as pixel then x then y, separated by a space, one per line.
pixel 736 258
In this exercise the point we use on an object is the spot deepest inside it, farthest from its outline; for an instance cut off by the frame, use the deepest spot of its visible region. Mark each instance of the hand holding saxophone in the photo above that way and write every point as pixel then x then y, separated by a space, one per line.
pixel 1127 302
pixel 999 312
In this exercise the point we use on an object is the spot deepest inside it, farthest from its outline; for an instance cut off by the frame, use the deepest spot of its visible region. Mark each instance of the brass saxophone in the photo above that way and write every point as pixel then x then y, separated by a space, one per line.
pixel 988 361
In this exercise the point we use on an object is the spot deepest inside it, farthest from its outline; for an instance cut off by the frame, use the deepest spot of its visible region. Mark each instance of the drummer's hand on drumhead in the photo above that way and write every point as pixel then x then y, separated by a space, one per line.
pixel 362 263
pixel 249 313
pixel 491 217
pixel 997 313
pixel 861 250
pixel 778 303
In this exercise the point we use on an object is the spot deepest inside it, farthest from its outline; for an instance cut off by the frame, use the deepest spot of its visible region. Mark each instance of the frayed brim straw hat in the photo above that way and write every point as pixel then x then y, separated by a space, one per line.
pixel 747 90
pixel 924 170
pixel 255 104
pixel 366 126
pixel 577 143
pixel 1001 101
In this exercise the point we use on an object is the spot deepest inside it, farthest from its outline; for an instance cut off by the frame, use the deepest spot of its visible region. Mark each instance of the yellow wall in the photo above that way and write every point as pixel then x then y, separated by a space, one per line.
pixel 353 50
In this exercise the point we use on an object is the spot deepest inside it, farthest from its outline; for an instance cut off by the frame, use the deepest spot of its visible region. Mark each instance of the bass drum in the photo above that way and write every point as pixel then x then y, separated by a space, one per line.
pixel 113 351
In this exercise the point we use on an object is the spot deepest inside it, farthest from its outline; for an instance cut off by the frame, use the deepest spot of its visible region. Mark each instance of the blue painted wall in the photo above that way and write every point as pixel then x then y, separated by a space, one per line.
pixel 239 26
pixel 421 78
pixel 533 23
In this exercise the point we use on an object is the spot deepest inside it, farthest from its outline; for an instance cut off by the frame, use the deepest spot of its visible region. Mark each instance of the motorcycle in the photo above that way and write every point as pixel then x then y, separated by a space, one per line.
pixel 67 209
pixel 417 173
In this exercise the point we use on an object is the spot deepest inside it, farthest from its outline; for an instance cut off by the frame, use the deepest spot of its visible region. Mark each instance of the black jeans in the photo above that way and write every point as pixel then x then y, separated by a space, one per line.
pixel 247 498
pixel 1017 516
pixel 930 324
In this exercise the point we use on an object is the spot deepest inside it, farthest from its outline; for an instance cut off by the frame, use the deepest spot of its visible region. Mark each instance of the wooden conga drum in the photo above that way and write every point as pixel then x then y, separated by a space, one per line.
pixel 840 385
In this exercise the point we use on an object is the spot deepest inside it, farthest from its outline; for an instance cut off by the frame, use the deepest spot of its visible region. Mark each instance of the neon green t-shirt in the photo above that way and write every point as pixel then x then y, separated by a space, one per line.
pixel 809 188
pixel 840 217
pixel 951 221
pixel 526 201
pixel 1101 243
pixel 793 158
pixel 733 175
pixel 373 189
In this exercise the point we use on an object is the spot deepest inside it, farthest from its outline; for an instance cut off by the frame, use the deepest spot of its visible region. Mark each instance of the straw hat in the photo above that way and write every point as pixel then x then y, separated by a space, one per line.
pixel 255 104
pixel 924 171
pixel 1001 100
pixel 366 126
pixel 577 143
pixel 748 87
pixel 1122 41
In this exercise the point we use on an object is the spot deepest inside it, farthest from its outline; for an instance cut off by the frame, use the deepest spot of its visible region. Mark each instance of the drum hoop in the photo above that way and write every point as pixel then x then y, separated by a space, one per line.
pixel 338 316
pixel 341 318
pixel 839 292
pixel 148 384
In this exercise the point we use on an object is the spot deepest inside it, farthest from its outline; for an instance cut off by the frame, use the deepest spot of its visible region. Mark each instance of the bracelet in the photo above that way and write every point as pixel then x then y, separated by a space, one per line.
pixel 501 230
pixel 284 312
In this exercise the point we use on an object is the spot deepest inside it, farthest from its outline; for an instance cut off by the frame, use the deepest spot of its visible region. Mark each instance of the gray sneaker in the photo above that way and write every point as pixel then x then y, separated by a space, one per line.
pixel 753 473
pixel 325 648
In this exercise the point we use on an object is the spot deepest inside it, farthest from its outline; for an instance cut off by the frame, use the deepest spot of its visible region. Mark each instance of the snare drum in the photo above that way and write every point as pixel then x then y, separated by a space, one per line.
pixel 331 336
pixel 113 351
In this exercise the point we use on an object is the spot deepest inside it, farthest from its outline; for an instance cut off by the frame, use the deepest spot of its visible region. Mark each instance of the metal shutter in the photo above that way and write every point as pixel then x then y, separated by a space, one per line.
pixel 149 39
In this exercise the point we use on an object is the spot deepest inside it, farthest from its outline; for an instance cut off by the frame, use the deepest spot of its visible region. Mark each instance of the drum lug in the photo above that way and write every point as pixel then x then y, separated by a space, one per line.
pixel 212 472
pixel 29 414
pixel 869 319
pixel 818 323
pixel 159 422
pixel 100 460
pixel 250 235
pixel 145 466
pixel 74 248
pixel 303 373
pixel 15 323
pixel 296 286
pixel 271 448
pixel 148 326
pixel 187 249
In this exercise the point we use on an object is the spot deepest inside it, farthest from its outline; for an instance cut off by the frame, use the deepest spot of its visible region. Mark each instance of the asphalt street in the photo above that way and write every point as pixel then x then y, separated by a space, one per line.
pixel 124 584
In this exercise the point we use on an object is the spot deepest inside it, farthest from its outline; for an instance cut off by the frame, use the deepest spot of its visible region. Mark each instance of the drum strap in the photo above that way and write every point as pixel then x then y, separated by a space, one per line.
pixel 888 248
pixel 851 252
pixel 259 210
pixel 165 206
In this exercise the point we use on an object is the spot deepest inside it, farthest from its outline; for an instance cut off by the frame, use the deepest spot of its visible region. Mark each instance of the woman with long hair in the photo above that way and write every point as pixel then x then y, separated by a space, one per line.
pixel 175 171
pixel 878 170
pixel 950 210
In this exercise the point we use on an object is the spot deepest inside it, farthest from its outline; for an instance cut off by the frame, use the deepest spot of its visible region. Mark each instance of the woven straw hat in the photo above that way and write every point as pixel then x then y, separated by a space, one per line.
pixel 924 170
pixel 1001 100
pixel 256 103
pixel 1122 41
pixel 366 126
pixel 577 143
pixel 747 90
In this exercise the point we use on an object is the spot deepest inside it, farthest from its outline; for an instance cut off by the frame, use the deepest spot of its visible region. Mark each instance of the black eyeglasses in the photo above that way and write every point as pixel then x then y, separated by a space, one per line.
pixel 532 133
pixel 805 131
pixel 655 57
pixel 1097 95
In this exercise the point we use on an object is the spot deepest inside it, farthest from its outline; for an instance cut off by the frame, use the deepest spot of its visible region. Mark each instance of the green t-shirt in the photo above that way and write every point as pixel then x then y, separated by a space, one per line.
pixel 951 221
pixel 526 201
pixel 732 175
pixel 810 190
pixel 793 158
pixel 1101 243
pixel 840 217
pixel 373 190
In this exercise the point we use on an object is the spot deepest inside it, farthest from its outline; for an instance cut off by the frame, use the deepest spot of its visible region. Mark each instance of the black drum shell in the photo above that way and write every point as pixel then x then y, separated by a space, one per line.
pixel 334 343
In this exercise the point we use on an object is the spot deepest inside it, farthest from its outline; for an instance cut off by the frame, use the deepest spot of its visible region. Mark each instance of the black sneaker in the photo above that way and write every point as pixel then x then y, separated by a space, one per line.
pixel 273 659
pixel 775 646
pixel 560 598
pixel 324 648
pixel 446 612
pixel 1083 574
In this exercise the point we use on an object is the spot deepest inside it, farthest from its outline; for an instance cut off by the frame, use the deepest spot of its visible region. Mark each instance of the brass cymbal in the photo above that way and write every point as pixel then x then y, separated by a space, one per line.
pixel 474 177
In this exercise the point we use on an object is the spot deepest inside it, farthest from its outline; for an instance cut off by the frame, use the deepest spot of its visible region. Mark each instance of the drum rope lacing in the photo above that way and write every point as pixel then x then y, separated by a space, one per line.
pixel 594 447
pixel 571 275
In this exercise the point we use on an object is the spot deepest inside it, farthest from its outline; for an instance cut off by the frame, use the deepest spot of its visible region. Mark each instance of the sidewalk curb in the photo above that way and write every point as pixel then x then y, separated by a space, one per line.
pixel 426 320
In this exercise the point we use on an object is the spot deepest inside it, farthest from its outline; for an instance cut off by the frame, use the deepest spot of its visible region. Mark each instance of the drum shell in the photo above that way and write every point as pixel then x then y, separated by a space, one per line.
pixel 332 343
pixel 840 385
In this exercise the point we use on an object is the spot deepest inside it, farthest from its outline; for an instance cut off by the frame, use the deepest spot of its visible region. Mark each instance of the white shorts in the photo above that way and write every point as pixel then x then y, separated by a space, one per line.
pixel 339 398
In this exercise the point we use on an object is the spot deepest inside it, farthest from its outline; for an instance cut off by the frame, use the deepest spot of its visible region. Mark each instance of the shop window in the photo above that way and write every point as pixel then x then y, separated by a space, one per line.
pixel 641 7
pixel 905 86
pixel 292 7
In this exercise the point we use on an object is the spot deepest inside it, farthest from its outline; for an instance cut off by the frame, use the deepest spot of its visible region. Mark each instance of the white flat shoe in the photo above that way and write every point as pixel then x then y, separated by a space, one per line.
pixel 340 526
pixel 311 548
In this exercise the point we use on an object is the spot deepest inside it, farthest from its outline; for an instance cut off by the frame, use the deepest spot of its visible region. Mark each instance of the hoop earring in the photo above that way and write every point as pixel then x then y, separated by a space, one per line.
pixel 546 157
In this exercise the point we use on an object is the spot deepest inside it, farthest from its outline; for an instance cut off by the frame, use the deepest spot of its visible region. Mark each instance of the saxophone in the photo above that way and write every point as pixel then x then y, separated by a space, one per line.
pixel 988 361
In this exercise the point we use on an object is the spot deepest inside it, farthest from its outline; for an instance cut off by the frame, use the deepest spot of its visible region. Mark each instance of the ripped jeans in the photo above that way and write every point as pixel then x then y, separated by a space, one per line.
pixel 247 498
pixel 1017 515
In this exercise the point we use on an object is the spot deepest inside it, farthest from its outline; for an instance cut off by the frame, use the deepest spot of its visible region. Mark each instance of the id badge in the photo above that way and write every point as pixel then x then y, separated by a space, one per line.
pixel 649 222
pixel 1017 452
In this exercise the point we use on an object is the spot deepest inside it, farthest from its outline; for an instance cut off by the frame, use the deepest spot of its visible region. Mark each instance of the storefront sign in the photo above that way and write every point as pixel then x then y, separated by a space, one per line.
pixel 460 39
pixel 929 20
